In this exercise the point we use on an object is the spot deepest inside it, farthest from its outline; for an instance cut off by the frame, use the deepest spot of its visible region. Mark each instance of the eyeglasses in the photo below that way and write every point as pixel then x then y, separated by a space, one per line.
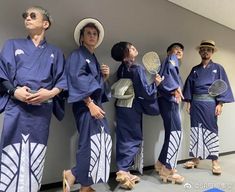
pixel 32 15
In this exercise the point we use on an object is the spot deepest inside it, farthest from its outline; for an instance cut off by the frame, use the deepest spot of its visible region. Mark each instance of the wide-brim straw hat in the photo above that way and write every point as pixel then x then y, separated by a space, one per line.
pixel 207 43
pixel 82 24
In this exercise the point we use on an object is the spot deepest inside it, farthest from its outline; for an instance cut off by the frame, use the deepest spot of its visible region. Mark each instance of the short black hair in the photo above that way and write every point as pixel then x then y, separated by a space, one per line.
pixel 120 50
pixel 175 44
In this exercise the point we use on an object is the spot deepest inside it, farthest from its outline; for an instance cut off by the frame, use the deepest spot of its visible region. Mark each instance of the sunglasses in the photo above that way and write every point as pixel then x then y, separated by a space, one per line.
pixel 32 15
pixel 206 49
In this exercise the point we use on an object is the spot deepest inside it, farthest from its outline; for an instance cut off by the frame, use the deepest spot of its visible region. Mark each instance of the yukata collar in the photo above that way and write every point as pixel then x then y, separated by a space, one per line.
pixel 86 50
pixel 209 64
pixel 42 44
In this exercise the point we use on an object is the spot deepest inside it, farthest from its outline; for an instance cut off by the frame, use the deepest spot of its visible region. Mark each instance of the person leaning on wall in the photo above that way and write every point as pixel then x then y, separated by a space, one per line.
pixel 138 98
pixel 204 109
pixel 88 89
pixel 31 77
pixel 169 97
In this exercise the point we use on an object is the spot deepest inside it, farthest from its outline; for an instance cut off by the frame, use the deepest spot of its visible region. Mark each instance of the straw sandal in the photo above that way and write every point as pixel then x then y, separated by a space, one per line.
pixel 66 186
pixel 128 184
pixel 134 178
pixel 216 169
pixel 125 179
pixel 68 180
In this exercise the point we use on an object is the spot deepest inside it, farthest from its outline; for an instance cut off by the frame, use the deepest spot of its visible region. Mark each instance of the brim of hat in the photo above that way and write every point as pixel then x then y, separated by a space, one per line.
pixel 83 23
pixel 215 48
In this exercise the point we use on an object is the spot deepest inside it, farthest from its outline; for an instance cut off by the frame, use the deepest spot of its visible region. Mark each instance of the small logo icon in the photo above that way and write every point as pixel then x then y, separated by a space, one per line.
pixel 172 62
pixel 187 186
pixel 19 52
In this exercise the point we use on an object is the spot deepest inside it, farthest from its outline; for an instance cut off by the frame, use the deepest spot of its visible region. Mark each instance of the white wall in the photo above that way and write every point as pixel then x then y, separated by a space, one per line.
pixel 149 25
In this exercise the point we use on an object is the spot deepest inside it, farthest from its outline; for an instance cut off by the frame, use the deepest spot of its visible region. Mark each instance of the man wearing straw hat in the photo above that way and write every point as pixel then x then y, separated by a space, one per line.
pixel 88 89
pixel 204 108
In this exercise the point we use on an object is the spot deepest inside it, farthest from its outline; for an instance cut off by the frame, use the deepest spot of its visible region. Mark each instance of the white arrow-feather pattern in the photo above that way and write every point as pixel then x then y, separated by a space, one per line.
pixel 203 142
pixel 18 170
pixel 101 146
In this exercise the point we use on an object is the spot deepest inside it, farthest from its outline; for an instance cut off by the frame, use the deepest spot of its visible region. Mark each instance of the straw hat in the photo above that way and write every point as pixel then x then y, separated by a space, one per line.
pixel 207 43
pixel 82 24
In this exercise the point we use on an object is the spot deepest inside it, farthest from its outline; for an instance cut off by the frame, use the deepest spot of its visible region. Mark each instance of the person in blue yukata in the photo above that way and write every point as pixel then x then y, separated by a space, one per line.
pixel 88 89
pixel 203 108
pixel 138 98
pixel 169 98
pixel 31 77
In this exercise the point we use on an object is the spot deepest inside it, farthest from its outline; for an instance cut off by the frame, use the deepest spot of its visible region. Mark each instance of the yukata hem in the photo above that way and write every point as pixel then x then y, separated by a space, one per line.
pixel 210 157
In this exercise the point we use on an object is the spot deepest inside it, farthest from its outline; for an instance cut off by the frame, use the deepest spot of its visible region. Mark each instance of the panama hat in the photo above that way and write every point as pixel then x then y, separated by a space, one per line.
pixel 82 24
pixel 207 43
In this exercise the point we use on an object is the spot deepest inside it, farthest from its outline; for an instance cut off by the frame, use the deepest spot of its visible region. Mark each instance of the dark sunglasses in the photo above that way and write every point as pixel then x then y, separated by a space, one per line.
pixel 206 49
pixel 32 15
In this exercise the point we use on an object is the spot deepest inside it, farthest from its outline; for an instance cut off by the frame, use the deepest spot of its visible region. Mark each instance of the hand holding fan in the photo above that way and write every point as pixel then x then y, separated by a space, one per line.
pixel 151 62
pixel 218 87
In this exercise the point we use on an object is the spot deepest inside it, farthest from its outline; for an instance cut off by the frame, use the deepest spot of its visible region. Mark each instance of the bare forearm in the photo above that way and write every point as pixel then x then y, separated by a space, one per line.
pixel 55 91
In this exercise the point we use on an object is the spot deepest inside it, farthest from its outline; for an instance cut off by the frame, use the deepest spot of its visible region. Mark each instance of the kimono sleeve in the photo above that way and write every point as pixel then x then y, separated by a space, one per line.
pixel 59 76
pixel 7 69
pixel 142 88
pixel 107 92
pixel 3 69
pixel 60 82
pixel 8 65
pixel 171 75
pixel 227 96
pixel 188 88
pixel 145 94
pixel 81 82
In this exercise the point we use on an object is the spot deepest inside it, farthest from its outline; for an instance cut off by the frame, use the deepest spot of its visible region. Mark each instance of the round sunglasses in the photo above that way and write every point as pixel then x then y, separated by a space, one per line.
pixel 32 15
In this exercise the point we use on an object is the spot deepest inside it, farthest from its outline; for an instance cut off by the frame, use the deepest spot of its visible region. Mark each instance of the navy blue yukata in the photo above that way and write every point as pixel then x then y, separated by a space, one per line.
pixel 26 127
pixel 95 144
pixel 129 133
pixel 204 140
pixel 169 110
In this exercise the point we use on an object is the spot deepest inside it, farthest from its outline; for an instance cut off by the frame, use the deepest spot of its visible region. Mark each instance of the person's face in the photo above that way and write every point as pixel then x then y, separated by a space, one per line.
pixel 178 51
pixel 133 52
pixel 90 37
pixel 34 20
pixel 206 52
